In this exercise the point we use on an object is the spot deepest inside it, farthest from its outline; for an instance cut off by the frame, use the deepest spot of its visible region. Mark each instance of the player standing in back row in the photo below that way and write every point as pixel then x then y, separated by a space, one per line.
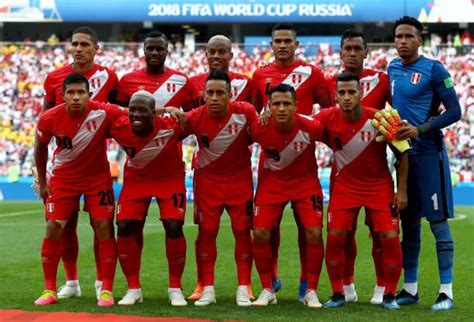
pixel 419 85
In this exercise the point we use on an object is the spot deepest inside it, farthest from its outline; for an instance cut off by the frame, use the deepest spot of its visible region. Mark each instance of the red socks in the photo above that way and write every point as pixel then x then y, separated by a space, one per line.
pixel 262 253
pixel 378 259
pixel 350 253
pixel 129 255
pixel 207 255
pixel 70 251
pixel 392 263
pixel 50 254
pixel 335 261
pixel 275 246
pixel 314 262
pixel 108 261
pixel 176 255
pixel 243 256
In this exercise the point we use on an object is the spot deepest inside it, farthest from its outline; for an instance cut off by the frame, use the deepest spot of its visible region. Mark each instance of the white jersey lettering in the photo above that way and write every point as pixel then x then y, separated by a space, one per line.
pixel 97 82
pixel 298 76
pixel 168 89
pixel 83 137
pixel 357 144
pixel 221 142
pixel 150 151
pixel 290 153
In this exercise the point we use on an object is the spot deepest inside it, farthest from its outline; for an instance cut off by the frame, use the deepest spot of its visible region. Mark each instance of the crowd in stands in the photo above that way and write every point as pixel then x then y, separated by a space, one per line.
pixel 23 69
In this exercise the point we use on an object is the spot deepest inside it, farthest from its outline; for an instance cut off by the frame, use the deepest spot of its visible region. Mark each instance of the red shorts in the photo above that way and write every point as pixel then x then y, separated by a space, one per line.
pixel 213 194
pixel 170 195
pixel 273 194
pixel 65 197
pixel 344 208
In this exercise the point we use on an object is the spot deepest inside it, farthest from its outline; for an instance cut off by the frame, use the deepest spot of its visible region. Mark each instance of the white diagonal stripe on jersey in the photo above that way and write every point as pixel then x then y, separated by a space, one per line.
pixel 290 153
pixel 368 84
pixel 97 82
pixel 150 151
pixel 221 142
pixel 83 137
pixel 298 76
pixel 238 86
pixel 169 89
pixel 352 149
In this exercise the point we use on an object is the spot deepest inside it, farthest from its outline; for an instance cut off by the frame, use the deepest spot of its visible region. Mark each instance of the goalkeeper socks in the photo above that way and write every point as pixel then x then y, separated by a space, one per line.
pixel 314 263
pixel 108 262
pixel 335 261
pixel 50 254
pixel 447 289
pixel 98 269
pixel 444 250
pixel 70 249
pixel 176 255
pixel 243 256
pixel 129 257
pixel 392 263
pixel 275 246
pixel 377 255
pixel 262 254
pixel 350 253
pixel 411 288
pixel 411 250
pixel 302 249
pixel 207 255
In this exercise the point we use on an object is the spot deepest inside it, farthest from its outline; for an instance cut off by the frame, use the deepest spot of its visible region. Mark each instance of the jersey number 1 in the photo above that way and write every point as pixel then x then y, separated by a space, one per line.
pixel 434 197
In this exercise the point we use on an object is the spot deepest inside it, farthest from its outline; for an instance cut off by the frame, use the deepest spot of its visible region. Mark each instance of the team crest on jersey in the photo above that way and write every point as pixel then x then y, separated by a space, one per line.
pixel 95 83
pixel 415 78
pixel 50 207
pixel 171 87
pixel 296 78
pixel 365 88
pixel 365 136
pixel 160 141
pixel 91 126
pixel 233 128
pixel 234 91
pixel 298 146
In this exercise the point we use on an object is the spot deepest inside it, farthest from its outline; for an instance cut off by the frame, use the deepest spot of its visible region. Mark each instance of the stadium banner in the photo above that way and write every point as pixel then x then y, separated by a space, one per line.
pixel 22 191
pixel 234 11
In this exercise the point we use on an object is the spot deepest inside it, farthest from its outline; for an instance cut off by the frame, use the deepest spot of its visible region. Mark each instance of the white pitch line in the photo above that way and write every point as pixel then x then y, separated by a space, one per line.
pixel 20 213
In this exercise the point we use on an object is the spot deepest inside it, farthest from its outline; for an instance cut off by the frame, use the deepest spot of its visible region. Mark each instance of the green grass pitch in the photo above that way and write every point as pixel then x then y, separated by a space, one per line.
pixel 22 229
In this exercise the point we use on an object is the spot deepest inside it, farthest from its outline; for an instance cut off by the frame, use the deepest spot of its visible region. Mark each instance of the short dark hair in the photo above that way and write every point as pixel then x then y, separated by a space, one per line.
pixel 284 26
pixel 407 20
pixel 88 31
pixel 282 88
pixel 347 76
pixel 352 33
pixel 217 74
pixel 75 78
pixel 155 34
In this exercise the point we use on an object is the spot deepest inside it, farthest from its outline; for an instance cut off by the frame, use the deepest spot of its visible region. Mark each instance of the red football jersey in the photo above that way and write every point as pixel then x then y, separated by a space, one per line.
pixel 307 80
pixel 150 158
pixel 241 87
pixel 360 163
pixel 374 85
pixel 288 155
pixel 171 88
pixel 223 144
pixel 102 81
pixel 81 142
